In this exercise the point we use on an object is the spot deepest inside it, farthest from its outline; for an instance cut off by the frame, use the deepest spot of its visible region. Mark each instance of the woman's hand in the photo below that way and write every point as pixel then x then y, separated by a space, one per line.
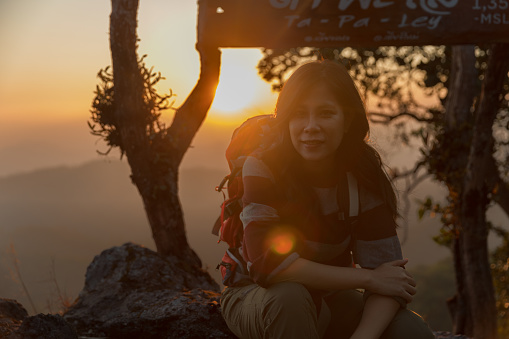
pixel 389 279
pixel 392 279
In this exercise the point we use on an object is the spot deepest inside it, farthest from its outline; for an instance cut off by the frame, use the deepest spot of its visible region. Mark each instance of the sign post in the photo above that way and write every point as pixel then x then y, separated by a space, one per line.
pixel 333 23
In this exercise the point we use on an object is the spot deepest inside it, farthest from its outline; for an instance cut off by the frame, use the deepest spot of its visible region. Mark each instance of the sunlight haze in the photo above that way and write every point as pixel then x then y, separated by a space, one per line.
pixel 52 51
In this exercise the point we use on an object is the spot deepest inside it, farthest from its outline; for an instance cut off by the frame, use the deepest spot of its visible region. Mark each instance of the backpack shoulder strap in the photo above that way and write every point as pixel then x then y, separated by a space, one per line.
pixel 353 194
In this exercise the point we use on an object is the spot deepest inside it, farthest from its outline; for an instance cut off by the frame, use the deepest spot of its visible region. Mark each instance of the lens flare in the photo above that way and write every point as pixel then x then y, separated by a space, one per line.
pixel 282 243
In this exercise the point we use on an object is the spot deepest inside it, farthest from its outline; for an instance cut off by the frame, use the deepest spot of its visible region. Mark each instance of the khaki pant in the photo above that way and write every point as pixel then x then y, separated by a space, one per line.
pixel 286 310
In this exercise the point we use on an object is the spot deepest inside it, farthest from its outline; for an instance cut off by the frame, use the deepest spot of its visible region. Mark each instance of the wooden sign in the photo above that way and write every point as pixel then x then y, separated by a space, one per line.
pixel 332 23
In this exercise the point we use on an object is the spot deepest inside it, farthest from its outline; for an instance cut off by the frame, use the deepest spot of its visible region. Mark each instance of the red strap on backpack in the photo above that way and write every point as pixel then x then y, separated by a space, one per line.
pixel 246 139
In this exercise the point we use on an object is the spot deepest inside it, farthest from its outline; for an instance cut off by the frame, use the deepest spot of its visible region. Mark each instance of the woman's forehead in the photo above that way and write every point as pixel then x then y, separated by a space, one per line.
pixel 320 96
pixel 321 91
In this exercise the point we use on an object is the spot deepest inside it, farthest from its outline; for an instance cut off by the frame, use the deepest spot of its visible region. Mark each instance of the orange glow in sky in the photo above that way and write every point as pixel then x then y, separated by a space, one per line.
pixel 241 92
pixel 52 51
pixel 236 89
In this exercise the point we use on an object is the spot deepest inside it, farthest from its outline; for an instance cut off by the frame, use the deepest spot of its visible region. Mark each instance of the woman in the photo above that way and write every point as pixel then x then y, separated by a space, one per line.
pixel 298 239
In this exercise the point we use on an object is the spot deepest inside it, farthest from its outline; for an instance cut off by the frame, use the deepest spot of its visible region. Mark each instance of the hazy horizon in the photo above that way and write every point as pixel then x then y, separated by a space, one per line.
pixel 57 212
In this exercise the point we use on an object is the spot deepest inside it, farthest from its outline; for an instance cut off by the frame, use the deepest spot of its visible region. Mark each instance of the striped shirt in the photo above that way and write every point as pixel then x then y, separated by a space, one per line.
pixel 276 233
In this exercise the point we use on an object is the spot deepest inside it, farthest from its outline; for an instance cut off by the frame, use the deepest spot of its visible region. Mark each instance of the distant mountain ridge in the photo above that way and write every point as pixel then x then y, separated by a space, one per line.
pixel 71 214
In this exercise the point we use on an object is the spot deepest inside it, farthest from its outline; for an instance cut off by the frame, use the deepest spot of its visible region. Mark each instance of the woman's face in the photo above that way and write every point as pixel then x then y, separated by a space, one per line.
pixel 317 126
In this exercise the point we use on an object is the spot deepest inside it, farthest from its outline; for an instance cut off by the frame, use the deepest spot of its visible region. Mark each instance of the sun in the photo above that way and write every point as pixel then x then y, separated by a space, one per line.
pixel 238 84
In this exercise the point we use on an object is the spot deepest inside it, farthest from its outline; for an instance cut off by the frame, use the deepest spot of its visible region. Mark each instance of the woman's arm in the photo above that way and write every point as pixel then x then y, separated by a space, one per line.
pixel 378 313
pixel 389 279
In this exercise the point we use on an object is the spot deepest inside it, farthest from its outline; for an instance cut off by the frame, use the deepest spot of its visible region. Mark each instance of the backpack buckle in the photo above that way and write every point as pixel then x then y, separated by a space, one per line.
pixel 223 182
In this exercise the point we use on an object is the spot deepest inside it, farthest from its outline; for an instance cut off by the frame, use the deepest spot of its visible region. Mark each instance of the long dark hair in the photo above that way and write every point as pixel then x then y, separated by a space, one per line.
pixel 355 154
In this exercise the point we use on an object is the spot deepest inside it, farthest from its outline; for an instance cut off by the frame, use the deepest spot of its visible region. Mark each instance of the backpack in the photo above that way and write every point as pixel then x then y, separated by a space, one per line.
pixel 246 139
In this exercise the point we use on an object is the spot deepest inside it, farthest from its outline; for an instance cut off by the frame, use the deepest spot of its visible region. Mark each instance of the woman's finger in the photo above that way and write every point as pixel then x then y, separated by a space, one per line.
pixel 412 290
pixel 407 296
pixel 399 262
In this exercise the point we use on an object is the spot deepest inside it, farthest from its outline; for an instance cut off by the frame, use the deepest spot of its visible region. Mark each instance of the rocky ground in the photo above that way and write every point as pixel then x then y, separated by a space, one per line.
pixel 446 335
pixel 132 292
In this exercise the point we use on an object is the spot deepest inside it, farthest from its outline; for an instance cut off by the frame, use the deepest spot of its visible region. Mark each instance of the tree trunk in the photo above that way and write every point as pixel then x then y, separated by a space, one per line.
pixel 462 87
pixel 156 182
pixel 473 306
pixel 458 119
pixel 462 322
pixel 474 199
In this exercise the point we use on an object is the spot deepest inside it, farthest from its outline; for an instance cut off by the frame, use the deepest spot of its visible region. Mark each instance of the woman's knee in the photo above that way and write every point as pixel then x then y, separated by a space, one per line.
pixel 289 312
pixel 287 299
pixel 289 293
pixel 408 324
pixel 284 310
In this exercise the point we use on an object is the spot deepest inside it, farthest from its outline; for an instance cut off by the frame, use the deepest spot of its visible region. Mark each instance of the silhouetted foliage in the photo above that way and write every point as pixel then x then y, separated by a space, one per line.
pixel 500 271
pixel 104 123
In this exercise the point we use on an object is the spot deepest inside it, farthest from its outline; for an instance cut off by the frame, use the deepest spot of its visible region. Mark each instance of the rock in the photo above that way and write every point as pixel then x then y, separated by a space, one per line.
pixel 12 314
pixel 44 326
pixel 449 335
pixel 132 267
pixel 133 292
pixel 12 309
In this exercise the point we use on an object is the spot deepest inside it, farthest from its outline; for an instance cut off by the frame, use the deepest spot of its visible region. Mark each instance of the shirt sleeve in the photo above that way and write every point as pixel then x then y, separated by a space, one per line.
pixel 376 240
pixel 269 246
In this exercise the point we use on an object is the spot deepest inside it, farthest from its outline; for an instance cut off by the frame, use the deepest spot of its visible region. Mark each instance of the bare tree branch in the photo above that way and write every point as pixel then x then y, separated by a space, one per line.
pixel 191 114
pixel 395 174
pixel 412 180
pixel 407 203
pixel 385 118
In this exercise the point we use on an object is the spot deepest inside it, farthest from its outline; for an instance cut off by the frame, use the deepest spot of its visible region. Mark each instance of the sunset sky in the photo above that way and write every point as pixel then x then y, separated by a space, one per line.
pixel 52 51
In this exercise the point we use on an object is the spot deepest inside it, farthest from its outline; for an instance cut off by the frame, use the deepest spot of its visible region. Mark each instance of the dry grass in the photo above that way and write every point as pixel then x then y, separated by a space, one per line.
pixel 57 302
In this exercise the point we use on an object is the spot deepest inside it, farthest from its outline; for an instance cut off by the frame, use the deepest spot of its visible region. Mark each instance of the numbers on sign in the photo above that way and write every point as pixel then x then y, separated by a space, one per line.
pixel 493 4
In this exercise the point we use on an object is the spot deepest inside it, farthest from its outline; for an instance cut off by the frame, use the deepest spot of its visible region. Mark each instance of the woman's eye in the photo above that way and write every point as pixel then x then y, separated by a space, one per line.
pixel 327 113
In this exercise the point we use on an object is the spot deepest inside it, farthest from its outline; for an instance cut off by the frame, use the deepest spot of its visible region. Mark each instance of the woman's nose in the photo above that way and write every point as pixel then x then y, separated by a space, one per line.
pixel 311 124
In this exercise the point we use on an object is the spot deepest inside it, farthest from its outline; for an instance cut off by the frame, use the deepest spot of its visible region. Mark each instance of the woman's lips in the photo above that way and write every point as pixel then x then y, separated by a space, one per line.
pixel 310 144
